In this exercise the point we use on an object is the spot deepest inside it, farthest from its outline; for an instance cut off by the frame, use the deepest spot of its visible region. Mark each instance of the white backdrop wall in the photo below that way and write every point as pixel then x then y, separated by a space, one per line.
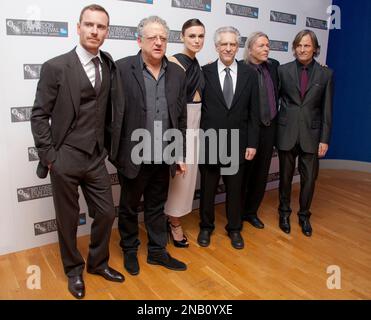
pixel 33 31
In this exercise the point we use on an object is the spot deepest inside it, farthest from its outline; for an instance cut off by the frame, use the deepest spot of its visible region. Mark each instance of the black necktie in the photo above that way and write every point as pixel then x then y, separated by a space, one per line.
pixel 228 87
pixel 98 80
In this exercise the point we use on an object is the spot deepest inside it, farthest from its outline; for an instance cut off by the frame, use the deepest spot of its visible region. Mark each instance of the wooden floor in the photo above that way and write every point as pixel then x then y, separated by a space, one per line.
pixel 273 265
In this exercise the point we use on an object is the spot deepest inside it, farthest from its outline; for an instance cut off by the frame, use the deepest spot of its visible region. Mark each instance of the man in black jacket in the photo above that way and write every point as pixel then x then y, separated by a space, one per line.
pixel 256 55
pixel 73 101
pixel 155 102
pixel 230 105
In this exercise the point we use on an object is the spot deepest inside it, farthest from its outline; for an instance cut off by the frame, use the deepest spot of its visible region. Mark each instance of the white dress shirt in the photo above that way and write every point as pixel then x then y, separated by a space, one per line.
pixel 222 73
pixel 85 58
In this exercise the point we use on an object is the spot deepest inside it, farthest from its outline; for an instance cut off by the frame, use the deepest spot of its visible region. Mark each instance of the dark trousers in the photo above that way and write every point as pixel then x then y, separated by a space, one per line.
pixel 308 169
pixel 210 177
pixel 71 169
pixel 257 171
pixel 152 182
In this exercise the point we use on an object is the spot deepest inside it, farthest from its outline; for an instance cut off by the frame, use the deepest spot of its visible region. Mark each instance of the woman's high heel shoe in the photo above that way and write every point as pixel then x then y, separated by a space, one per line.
pixel 177 230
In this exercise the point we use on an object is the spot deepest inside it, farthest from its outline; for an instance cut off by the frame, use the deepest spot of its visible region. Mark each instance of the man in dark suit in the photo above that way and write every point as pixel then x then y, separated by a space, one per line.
pixel 230 105
pixel 304 125
pixel 155 101
pixel 68 124
pixel 256 55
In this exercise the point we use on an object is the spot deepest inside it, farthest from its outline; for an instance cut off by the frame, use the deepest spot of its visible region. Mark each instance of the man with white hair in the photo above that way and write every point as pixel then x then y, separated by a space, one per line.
pixel 230 105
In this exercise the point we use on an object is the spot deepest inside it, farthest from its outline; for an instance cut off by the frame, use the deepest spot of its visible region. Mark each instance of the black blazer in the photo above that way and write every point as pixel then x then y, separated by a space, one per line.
pixel 308 120
pixel 273 65
pixel 243 113
pixel 58 100
pixel 124 124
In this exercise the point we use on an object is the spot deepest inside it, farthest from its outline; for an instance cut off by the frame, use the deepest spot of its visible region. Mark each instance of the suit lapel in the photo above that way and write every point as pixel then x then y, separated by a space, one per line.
pixel 293 72
pixel 241 80
pixel 313 77
pixel 215 82
pixel 73 79
pixel 137 70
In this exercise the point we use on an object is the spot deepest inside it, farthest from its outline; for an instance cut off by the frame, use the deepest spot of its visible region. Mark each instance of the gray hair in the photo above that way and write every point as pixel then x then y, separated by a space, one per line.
pixel 251 39
pixel 151 19
pixel 228 29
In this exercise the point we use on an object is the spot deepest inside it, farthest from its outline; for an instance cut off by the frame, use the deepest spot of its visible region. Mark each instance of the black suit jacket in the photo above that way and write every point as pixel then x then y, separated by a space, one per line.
pixel 243 114
pixel 134 117
pixel 306 121
pixel 58 100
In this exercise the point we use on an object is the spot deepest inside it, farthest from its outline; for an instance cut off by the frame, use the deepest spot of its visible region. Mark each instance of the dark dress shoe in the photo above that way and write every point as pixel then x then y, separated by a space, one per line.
pixel 203 238
pixel 254 221
pixel 131 263
pixel 284 224
pixel 76 286
pixel 236 239
pixel 109 274
pixel 167 261
pixel 306 228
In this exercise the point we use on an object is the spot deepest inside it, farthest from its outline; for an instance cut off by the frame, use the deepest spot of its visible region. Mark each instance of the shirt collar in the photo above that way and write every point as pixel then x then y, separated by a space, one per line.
pixel 309 66
pixel 144 66
pixel 85 56
pixel 222 66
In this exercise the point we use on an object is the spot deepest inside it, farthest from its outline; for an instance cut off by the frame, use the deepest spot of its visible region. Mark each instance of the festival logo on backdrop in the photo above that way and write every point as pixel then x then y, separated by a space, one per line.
pixel 20 27
pixel 242 11
pixel 34 192
pixel 316 23
pixel 122 33
pixel 283 17
pixel 140 1
pixel 203 5
pixel 20 114
pixel 278 45
pixel 32 154
pixel 31 71
pixel 48 226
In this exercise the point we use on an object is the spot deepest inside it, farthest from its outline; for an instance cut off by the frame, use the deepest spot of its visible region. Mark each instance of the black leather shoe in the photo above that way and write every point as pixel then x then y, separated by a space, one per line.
pixel 131 263
pixel 306 228
pixel 76 286
pixel 284 224
pixel 108 274
pixel 203 238
pixel 236 239
pixel 254 221
pixel 167 261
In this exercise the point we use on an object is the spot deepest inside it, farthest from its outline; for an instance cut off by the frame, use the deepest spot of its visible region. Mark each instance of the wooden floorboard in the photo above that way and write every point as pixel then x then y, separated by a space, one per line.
pixel 273 265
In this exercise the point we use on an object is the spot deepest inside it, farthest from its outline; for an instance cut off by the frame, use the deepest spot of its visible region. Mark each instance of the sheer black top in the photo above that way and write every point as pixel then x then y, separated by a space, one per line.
pixel 194 76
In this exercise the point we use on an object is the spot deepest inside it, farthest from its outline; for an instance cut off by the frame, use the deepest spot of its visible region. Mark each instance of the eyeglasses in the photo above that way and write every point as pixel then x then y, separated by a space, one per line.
pixel 155 38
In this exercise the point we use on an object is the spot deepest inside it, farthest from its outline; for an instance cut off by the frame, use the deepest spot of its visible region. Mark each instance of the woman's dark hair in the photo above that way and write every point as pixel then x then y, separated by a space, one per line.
pixel 191 23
